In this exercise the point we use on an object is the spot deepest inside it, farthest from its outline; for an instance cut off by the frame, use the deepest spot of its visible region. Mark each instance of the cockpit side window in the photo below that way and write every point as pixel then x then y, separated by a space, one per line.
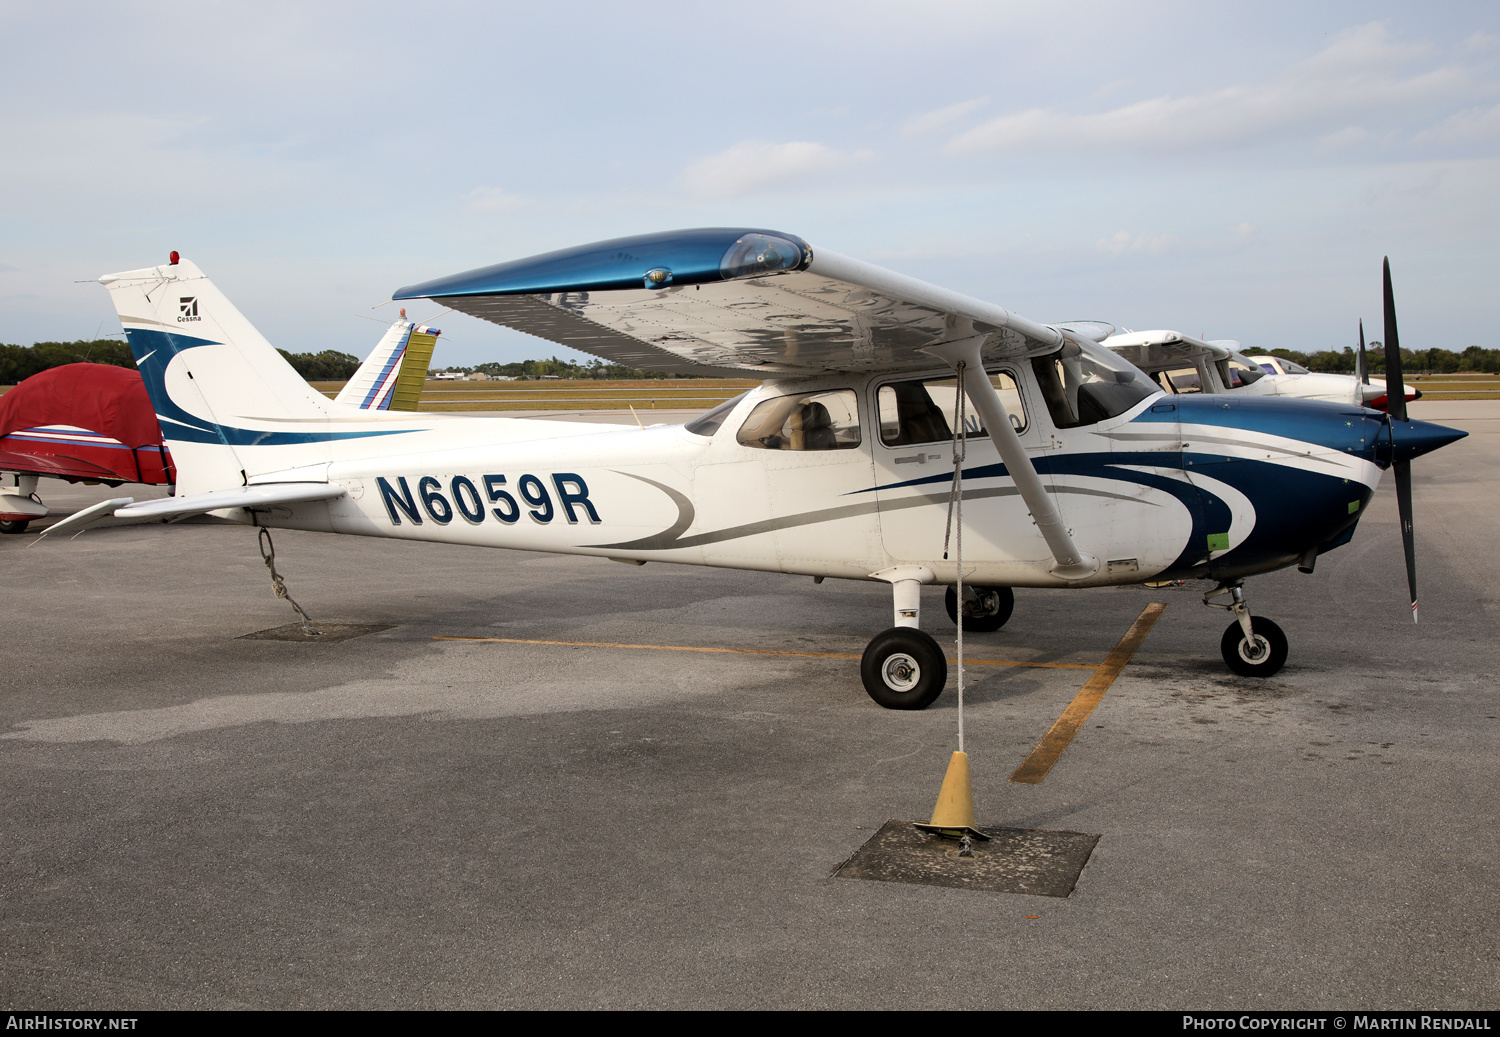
pixel 827 420
pixel 1083 384
pixel 1236 373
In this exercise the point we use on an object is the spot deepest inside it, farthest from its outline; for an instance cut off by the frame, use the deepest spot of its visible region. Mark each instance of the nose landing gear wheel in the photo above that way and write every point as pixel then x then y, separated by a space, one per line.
pixel 1266 656
pixel 903 668
pixel 988 612
pixel 14 525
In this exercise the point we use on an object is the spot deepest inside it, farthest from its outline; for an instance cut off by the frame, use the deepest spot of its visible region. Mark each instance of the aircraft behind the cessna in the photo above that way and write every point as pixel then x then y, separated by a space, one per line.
pixel 1183 364
pixel 1080 472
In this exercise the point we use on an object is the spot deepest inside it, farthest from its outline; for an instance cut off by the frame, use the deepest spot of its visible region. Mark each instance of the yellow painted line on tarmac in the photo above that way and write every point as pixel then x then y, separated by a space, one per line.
pixel 744 651
pixel 1035 767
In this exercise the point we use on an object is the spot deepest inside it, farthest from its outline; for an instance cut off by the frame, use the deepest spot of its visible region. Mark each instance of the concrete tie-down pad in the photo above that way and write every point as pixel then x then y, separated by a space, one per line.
pixel 1015 860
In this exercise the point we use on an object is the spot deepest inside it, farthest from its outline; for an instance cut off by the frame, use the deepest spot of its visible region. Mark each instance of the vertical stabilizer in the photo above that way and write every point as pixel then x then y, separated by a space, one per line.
pixel 391 377
pixel 229 405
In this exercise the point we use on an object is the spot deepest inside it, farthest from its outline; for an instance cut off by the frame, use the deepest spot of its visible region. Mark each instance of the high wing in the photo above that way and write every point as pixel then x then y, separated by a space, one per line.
pixel 731 301
pixel 1154 351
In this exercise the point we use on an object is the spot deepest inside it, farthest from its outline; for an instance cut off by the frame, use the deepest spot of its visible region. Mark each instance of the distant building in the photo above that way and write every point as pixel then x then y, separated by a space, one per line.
pixel 477 376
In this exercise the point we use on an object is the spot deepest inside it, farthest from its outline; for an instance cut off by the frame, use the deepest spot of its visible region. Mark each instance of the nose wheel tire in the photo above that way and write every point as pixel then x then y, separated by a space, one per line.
pixel 903 668
pixel 990 610
pixel 14 525
pixel 1265 657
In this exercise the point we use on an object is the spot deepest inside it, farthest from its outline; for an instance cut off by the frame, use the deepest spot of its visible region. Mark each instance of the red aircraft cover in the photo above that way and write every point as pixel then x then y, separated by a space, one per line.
pixel 99 397
pixel 122 440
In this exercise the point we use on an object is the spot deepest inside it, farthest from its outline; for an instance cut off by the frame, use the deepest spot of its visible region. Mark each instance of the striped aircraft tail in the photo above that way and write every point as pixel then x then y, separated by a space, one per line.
pixel 391 377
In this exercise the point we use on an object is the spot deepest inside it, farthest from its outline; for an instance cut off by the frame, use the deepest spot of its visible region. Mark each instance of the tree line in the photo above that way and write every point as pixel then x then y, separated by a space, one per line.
pixel 561 369
pixel 1413 361
pixel 21 362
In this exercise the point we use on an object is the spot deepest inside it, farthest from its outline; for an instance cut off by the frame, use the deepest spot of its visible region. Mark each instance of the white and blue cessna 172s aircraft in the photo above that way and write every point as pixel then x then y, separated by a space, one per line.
pixel 1079 471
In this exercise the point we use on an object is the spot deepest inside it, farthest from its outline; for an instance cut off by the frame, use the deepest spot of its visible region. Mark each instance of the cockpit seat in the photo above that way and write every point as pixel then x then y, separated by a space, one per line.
pixel 812 425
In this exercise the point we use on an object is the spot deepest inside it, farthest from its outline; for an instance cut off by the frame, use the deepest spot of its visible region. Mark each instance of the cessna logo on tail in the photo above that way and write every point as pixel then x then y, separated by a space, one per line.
pixel 188 304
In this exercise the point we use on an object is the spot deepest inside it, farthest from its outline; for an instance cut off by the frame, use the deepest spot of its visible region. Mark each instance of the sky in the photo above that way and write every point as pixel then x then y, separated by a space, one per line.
pixel 1228 170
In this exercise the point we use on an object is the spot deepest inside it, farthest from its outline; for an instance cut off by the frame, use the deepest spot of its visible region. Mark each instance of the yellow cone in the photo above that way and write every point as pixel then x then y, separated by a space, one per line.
pixel 954 813
pixel 955 802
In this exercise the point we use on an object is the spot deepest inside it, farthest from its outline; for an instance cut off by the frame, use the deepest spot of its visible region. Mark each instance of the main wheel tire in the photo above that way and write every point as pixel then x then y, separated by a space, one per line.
pixel 903 668
pixel 989 613
pixel 1269 655
pixel 14 525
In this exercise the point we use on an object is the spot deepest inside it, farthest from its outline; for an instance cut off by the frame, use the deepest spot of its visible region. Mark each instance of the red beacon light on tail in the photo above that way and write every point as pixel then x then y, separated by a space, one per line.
pixel 172 258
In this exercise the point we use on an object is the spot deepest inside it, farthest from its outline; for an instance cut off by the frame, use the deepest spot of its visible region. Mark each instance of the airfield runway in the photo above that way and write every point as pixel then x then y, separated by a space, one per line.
pixel 194 820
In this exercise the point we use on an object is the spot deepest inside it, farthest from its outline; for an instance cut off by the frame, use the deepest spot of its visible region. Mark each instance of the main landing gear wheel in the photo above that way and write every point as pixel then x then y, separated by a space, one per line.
pixel 988 611
pixel 903 668
pixel 1261 659
pixel 14 525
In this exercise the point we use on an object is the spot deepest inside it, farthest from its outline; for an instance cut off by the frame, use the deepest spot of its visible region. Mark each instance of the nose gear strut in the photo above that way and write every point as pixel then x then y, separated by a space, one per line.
pixel 1251 646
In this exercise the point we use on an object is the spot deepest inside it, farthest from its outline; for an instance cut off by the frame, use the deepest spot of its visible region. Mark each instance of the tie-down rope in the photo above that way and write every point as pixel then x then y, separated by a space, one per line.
pixel 268 555
pixel 955 529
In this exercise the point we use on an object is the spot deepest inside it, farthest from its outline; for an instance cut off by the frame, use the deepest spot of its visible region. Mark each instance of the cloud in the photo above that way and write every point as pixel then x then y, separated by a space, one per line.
pixel 1468 127
pixel 494 199
pixel 1344 139
pixel 942 117
pixel 1122 241
pixel 1348 81
pixel 759 165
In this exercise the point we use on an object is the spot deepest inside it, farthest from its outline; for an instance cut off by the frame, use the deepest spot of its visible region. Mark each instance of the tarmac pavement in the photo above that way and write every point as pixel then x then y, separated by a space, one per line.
pixel 198 821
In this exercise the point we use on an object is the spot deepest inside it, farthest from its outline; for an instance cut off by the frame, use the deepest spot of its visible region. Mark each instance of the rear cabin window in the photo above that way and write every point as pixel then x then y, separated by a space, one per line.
pixel 1083 384
pixel 924 411
pixel 826 420
pixel 1183 379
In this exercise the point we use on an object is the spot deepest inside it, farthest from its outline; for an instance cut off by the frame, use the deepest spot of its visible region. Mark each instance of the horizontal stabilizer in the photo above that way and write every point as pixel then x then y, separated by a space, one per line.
pixel 239 497
pixel 79 519
pixel 265 496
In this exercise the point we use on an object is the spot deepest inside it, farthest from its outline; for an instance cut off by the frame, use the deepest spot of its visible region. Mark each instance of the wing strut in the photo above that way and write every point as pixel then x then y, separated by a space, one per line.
pixel 1068 562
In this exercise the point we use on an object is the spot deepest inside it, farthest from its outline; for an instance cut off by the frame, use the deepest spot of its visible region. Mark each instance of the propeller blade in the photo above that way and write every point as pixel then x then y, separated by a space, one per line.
pixel 1408 532
pixel 1395 405
pixel 1395 386
pixel 1364 361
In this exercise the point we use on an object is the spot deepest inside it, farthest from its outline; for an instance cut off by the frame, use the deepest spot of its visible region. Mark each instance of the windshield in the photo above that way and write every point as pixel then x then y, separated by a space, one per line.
pixel 707 423
pixel 1084 383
